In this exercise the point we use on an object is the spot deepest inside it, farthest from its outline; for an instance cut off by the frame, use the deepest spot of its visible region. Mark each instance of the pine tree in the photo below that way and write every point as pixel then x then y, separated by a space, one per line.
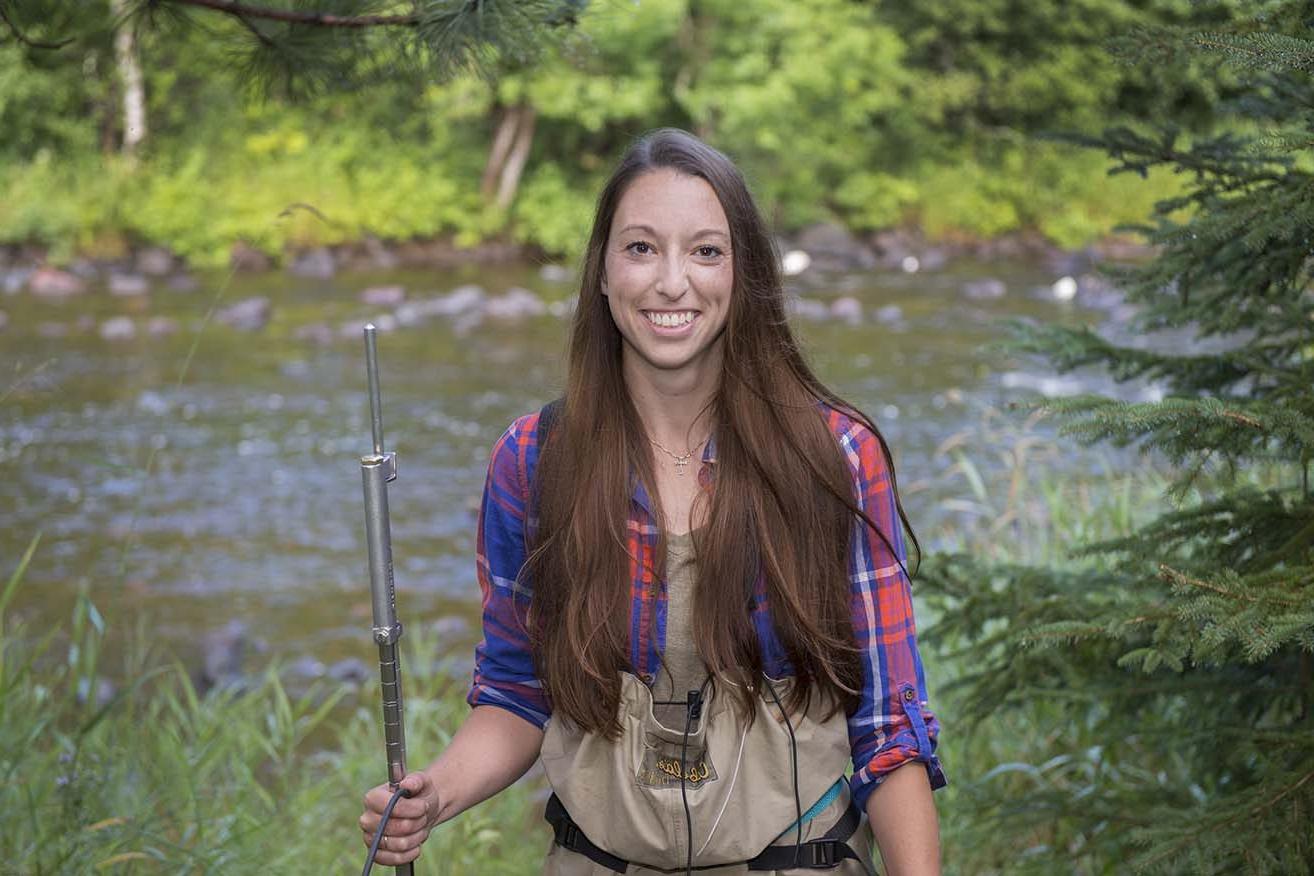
pixel 297 49
pixel 1167 684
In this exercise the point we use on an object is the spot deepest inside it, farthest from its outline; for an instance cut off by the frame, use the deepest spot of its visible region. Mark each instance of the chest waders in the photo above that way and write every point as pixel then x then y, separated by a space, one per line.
pixel 713 798
pixel 619 806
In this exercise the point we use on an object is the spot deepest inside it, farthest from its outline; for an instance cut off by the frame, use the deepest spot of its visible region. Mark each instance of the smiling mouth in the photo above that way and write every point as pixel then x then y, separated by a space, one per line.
pixel 670 319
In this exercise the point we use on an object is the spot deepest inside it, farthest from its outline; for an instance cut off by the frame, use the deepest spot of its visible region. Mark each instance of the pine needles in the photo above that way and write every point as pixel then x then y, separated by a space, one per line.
pixel 1182 647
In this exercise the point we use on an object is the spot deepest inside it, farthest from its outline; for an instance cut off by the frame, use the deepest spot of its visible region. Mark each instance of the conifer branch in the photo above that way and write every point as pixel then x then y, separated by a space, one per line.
pixel 318 19
pixel 1264 51
pixel 1207 827
pixel 257 32
pixel 1173 576
pixel 1241 418
pixel 26 40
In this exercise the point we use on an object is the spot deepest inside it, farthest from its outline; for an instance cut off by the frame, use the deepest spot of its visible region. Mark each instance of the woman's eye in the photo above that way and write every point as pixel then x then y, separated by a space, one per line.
pixel 639 247
pixel 707 251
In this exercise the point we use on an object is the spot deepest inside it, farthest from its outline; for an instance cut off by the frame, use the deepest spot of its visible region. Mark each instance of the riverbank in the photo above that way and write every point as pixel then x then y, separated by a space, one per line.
pixel 816 250
pixel 396 284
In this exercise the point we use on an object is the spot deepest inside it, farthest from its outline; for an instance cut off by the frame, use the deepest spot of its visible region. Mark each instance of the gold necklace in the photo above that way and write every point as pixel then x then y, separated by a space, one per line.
pixel 681 461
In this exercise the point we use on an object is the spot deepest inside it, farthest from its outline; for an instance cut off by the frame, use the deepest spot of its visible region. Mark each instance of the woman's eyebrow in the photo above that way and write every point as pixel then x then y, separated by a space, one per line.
pixel 702 232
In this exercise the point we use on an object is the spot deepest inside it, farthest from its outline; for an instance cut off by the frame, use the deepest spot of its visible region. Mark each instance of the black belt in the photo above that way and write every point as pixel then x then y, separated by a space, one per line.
pixel 817 854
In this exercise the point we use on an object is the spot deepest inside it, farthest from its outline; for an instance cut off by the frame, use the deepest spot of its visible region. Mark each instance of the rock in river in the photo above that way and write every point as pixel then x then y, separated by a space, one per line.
pixel 225 652
pixel 517 303
pixel 807 308
pixel 556 273
pixel 318 332
pixel 244 257
pixel 847 309
pixel 250 314
pixel 161 327
pixel 383 296
pixel 13 281
pixel 834 249
pixel 985 289
pixel 126 285
pixel 350 670
pixel 317 263
pixel 155 261
pixel 53 283
pixel 118 328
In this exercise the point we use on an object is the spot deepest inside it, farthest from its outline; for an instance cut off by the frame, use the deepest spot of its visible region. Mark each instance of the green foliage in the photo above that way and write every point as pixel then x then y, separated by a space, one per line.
pixel 160 777
pixel 872 115
pixel 992 65
pixel 1173 660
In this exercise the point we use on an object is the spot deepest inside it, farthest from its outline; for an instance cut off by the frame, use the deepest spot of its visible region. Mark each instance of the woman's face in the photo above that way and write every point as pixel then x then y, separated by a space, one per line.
pixel 668 274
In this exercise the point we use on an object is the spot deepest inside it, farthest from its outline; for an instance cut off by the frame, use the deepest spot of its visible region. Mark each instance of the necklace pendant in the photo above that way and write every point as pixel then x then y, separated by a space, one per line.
pixel 680 466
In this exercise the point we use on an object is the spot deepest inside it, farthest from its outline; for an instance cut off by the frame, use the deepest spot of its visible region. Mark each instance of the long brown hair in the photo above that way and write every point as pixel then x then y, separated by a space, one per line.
pixel 783 505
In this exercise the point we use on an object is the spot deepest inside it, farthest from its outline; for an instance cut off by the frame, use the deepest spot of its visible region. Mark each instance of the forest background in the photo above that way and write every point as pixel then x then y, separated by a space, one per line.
pixel 874 115
pixel 1127 660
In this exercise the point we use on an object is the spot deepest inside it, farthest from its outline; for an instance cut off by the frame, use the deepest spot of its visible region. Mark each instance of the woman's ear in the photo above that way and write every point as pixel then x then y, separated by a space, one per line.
pixel 604 286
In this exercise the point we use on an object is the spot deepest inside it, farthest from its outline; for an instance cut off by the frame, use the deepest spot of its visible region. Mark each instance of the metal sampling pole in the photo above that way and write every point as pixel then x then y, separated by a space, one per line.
pixel 377 469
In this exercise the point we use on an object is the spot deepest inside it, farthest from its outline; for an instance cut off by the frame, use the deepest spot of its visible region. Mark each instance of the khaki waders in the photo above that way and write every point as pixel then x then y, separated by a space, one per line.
pixel 625 795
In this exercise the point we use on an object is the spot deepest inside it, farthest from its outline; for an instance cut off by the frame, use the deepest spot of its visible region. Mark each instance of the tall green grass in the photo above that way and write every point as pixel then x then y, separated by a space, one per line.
pixel 160 778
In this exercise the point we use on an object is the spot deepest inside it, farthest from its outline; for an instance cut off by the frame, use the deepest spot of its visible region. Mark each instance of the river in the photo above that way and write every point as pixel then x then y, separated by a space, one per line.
pixel 211 475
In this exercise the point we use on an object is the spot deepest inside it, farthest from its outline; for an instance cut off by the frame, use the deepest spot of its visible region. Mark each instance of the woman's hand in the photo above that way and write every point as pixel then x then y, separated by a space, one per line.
pixel 411 820
pixel 491 750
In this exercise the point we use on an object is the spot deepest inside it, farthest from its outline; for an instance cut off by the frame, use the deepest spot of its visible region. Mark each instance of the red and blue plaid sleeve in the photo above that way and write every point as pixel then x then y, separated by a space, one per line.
pixel 893 723
pixel 504 668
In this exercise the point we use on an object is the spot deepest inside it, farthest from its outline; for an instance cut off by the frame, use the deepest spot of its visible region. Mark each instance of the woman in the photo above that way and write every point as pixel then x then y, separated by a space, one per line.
pixel 696 607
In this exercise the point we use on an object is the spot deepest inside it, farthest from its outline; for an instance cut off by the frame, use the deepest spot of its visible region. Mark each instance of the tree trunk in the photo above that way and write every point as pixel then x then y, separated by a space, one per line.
pixel 515 162
pixel 502 140
pixel 134 89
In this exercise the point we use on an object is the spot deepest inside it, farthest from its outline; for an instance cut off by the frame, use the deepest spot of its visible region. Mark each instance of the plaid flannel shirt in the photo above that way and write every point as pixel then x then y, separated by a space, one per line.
pixel 891 726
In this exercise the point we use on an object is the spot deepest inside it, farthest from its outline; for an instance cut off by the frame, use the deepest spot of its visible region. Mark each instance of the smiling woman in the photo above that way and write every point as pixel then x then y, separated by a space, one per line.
pixel 695 659
pixel 668 277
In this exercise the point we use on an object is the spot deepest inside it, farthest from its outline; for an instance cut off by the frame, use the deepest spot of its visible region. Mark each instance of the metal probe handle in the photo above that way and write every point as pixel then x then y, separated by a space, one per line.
pixel 377 470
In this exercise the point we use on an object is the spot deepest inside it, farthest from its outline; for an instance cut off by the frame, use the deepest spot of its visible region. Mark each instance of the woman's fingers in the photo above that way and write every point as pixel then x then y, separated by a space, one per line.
pixel 421 802
pixel 369 823
pixel 409 824
pixel 396 850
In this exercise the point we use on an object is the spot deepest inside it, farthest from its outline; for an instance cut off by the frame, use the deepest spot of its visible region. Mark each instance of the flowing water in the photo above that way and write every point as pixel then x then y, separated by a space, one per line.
pixel 212 475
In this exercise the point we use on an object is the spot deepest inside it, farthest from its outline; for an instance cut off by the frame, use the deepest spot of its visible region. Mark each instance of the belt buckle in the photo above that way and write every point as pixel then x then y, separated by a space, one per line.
pixel 823 854
pixel 568 835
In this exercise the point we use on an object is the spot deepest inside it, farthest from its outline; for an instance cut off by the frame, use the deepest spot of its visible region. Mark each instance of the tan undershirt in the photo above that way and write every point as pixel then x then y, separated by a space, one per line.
pixel 682 669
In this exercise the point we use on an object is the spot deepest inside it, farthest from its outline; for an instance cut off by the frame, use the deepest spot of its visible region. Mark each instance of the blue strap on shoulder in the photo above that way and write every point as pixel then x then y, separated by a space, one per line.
pixel 813 811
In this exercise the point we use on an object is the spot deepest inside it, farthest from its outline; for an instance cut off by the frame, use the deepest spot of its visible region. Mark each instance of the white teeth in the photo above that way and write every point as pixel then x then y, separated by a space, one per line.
pixel 670 320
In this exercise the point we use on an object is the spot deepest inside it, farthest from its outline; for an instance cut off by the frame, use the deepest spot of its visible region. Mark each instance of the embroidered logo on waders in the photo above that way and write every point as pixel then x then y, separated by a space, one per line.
pixel 661 769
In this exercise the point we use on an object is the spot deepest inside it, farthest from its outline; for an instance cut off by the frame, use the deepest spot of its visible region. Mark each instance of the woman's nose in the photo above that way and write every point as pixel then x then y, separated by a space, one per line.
pixel 673 281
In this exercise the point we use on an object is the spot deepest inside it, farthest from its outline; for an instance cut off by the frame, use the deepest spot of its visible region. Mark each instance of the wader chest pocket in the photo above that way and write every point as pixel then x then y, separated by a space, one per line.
pixel 660 768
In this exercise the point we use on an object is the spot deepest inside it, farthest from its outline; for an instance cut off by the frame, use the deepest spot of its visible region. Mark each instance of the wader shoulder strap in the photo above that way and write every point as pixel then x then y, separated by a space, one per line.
pixel 546 417
pixel 818 854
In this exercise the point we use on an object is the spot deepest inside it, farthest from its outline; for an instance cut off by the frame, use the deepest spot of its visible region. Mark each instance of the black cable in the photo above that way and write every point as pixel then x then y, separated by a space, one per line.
pixel 383 822
pixel 694 704
pixel 793 763
pixel 691 703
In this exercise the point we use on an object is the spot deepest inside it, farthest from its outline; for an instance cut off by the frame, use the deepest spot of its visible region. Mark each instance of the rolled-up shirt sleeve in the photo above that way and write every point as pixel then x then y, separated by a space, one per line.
pixel 504 673
pixel 893 724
